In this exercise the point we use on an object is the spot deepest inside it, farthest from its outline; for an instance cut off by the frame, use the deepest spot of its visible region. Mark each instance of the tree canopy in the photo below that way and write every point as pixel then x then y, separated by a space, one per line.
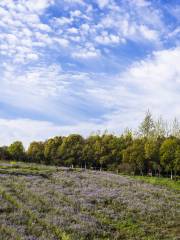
pixel 155 149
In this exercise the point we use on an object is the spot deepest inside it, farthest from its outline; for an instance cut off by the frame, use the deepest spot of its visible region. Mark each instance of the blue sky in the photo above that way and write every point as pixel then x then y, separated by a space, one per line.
pixel 85 65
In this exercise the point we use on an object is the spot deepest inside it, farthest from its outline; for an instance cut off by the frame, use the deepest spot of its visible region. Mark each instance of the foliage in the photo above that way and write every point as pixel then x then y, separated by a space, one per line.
pixel 153 150
pixel 35 152
pixel 17 151
pixel 134 155
pixel 50 149
pixel 4 153
pixel 70 151
pixel 167 153
pixel 146 128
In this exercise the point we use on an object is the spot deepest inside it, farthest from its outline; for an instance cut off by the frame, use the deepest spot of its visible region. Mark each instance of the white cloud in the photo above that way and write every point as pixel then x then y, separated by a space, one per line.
pixel 107 39
pixel 27 130
pixel 62 41
pixel 32 56
pixel 149 34
pixel 20 26
pixel 62 21
pixel 81 2
pixel 87 53
pixel 140 3
pixel 102 3
pixel 85 27
pixel 152 84
pixel 40 5
pixel 129 22
pixel 75 13
pixel 73 30
pixel 81 35
pixel 39 80
pixel 175 32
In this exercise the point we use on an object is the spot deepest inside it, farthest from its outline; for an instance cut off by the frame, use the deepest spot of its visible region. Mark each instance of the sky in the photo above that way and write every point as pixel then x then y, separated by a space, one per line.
pixel 79 66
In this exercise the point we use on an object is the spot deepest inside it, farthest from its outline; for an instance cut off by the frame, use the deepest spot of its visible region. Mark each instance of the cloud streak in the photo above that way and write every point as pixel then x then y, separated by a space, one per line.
pixel 77 65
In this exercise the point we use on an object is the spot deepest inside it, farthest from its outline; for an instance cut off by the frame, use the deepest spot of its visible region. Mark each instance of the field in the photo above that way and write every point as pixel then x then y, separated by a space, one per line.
pixel 45 203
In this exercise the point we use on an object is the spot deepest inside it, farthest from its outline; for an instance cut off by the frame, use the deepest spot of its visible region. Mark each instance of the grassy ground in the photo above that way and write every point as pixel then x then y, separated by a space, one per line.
pixel 40 202
pixel 167 182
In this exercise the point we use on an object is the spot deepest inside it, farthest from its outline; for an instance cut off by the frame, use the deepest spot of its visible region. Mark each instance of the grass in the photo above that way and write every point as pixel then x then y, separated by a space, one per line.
pixel 85 205
pixel 14 168
pixel 167 182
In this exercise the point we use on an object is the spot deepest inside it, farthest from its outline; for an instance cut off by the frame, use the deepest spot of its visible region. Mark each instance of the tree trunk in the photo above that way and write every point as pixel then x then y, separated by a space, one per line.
pixel 85 165
pixel 175 175
pixel 171 175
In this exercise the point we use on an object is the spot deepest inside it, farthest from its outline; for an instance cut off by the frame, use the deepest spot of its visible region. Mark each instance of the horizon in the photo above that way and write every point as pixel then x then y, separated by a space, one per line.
pixel 74 66
pixel 160 127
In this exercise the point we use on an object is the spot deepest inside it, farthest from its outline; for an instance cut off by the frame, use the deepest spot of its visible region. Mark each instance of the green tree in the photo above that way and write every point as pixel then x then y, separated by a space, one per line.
pixel 35 152
pixel 152 149
pixel 99 152
pixel 92 151
pixel 17 151
pixel 175 128
pixel 147 127
pixel 4 153
pixel 177 160
pixel 135 156
pixel 167 154
pixel 111 151
pixel 70 151
pixel 127 137
pixel 50 150
pixel 87 154
pixel 160 128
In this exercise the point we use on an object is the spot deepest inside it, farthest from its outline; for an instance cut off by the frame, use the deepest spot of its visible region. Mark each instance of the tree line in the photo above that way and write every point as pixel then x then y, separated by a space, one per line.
pixel 154 149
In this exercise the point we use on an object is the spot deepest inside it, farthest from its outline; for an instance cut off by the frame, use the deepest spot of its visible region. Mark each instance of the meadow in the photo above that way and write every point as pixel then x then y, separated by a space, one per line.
pixel 45 202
